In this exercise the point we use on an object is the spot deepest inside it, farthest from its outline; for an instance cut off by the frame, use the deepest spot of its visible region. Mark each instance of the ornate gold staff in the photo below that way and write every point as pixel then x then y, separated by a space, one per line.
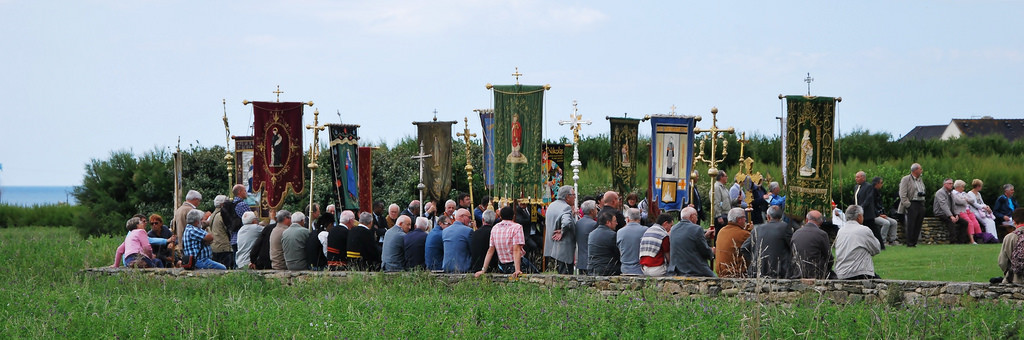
pixel 469 167
pixel 713 162
pixel 576 124
pixel 314 154
pixel 228 158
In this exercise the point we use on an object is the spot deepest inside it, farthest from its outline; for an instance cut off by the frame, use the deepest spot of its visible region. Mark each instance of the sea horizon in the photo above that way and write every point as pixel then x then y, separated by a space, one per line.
pixel 28 196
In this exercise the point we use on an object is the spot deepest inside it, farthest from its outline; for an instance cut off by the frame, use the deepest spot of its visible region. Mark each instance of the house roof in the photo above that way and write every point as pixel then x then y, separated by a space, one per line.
pixel 1011 129
pixel 924 132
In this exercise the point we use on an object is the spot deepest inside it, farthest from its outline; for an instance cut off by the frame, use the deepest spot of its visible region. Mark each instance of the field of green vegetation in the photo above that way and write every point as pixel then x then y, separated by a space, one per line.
pixel 44 296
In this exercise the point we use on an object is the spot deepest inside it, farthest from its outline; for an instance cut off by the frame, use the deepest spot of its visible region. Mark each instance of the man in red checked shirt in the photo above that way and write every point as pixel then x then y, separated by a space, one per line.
pixel 507 240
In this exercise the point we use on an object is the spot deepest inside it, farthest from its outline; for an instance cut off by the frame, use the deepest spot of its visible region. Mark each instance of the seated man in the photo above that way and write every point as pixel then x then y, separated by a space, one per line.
pixel 729 262
pixel 690 253
pixel 855 245
pixel 769 247
pixel 456 238
pixel 943 209
pixel 196 242
pixel 655 247
pixel 293 243
pixel 1010 244
pixel 812 250
pixel 628 240
pixel 481 240
pixel 414 243
pixel 393 252
pixel 1004 207
pixel 507 241
pixel 362 249
pixel 604 254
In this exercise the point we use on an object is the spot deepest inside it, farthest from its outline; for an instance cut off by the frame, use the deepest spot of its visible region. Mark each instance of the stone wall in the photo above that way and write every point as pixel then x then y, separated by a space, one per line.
pixel 892 292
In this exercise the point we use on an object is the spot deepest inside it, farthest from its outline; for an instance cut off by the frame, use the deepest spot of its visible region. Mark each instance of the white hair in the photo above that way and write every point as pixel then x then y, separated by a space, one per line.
pixel 193 195
pixel 219 200
pixel 633 214
pixel 298 217
pixel 488 216
pixel 588 206
pixel 249 217
pixel 687 212
pixel 346 216
pixel 853 212
pixel 736 213
pixel 422 223
pixel 194 216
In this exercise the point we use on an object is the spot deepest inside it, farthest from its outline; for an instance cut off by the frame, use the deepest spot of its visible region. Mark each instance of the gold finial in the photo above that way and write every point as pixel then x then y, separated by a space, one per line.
pixel 575 121
pixel 673 112
pixel 278 92
pixel 517 74
pixel 435 115
pixel 469 166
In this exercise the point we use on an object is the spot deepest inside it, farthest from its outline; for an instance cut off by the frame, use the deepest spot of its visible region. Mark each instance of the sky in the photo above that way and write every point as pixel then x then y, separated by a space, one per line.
pixel 81 79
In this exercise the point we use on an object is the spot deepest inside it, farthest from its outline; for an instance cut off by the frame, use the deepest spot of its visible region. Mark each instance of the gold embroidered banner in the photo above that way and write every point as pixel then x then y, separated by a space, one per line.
pixel 809 138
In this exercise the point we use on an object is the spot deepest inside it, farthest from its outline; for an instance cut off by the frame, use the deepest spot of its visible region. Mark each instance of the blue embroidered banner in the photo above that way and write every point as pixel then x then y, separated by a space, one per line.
pixel 671 160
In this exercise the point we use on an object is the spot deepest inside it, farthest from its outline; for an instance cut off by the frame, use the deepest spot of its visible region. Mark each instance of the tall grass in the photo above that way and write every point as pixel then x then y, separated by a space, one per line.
pixel 48 215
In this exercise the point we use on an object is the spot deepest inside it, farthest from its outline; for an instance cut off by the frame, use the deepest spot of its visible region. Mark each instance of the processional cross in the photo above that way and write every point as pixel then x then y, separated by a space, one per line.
pixel 713 137
pixel 278 92
pixel 469 167
pixel 576 121
pixel 517 74
pixel 808 80
pixel 314 154
pixel 421 158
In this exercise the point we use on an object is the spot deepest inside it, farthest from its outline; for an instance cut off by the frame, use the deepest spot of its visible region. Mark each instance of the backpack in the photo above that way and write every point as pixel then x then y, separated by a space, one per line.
pixel 231 220
pixel 1017 255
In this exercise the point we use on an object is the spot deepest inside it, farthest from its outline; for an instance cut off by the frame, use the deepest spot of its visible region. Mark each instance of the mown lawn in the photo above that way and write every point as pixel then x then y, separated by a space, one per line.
pixel 42 296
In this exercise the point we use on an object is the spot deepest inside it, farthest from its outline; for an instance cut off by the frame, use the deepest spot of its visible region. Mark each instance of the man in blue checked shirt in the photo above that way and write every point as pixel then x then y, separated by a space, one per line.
pixel 197 242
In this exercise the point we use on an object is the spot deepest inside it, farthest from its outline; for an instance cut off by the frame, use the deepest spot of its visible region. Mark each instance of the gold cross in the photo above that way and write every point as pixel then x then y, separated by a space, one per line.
pixel 517 74
pixel 713 137
pixel 743 142
pixel 278 92
pixel 314 150
pixel 576 121
pixel 673 112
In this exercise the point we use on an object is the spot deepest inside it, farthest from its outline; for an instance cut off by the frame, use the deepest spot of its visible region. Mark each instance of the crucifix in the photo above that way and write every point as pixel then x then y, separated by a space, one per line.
pixel 576 121
pixel 713 136
pixel 278 92
pixel 421 158
pixel 808 80
pixel 469 167
pixel 517 74
pixel 228 158
pixel 314 152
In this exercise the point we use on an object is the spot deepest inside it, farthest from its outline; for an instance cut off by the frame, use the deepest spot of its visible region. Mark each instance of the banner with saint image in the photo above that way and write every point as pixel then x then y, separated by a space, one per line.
pixel 278 166
pixel 344 144
pixel 810 123
pixel 487 122
pixel 552 159
pixel 244 153
pixel 671 160
pixel 518 127
pixel 436 139
pixel 623 146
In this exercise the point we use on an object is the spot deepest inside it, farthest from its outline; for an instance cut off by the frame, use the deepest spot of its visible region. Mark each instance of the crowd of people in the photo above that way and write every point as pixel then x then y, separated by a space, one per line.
pixel 603 236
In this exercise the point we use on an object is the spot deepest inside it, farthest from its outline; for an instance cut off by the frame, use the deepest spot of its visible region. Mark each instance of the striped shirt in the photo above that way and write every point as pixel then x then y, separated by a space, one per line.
pixel 651 245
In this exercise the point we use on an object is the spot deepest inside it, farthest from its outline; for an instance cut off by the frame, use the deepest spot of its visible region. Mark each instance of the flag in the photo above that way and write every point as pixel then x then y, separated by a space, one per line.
pixel 671 160
pixel 623 152
pixel 553 170
pixel 345 164
pixel 277 161
pixel 810 123
pixel 487 122
pixel 436 139
pixel 244 171
pixel 518 127
pixel 365 178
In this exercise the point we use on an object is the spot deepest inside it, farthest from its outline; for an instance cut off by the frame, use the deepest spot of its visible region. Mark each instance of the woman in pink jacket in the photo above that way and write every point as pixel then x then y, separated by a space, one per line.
pixel 136 251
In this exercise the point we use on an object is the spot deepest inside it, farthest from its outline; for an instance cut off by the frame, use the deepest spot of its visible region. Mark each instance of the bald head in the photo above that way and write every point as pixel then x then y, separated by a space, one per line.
pixel 404 222
pixel 611 198
pixel 815 217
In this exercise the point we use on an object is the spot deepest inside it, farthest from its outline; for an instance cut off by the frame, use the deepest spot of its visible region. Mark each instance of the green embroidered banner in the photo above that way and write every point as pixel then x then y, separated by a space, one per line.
pixel 810 123
pixel 345 164
pixel 623 153
pixel 518 125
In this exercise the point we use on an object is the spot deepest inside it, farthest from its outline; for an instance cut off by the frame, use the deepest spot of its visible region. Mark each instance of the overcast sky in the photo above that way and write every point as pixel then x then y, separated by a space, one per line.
pixel 83 78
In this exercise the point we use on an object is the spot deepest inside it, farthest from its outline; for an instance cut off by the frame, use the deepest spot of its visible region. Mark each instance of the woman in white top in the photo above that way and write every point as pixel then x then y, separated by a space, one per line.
pixel 981 210
pixel 960 208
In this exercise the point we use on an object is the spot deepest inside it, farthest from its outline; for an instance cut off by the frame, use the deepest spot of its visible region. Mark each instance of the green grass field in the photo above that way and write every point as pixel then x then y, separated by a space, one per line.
pixel 43 296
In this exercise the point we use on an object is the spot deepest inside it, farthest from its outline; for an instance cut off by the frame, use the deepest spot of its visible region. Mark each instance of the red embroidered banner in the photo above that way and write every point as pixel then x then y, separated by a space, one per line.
pixel 365 179
pixel 277 160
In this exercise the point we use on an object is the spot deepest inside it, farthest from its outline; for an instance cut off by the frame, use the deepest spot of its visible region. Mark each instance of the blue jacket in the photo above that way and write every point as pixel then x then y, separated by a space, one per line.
pixel 434 249
pixel 457 257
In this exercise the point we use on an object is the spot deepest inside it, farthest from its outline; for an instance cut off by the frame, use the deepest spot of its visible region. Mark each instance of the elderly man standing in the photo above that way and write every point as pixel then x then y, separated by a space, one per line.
pixel 655 247
pixel 393 254
pixel 192 199
pixel 721 206
pixel 293 243
pixel 456 244
pixel 855 245
pixel 690 253
pixel 729 262
pixel 812 251
pixel 864 196
pixel 196 242
pixel 604 255
pixel 628 241
pixel 912 197
pixel 561 221
pixel 284 220
pixel 584 227
pixel 770 247
pixel 943 209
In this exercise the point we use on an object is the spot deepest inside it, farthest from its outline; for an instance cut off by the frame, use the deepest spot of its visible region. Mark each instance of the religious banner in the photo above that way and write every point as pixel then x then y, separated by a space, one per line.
pixel 671 160
pixel 244 153
pixel 518 126
pixel 365 178
pixel 344 144
pixel 810 125
pixel 552 159
pixel 277 161
pixel 623 140
pixel 436 139
pixel 487 122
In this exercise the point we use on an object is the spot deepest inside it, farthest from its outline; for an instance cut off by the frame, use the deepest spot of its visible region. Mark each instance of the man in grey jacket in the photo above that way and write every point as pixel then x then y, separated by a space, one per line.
pixel 720 204
pixel 393 251
pixel 584 226
pixel 769 246
pixel 942 207
pixel 689 252
pixel 628 241
pixel 561 221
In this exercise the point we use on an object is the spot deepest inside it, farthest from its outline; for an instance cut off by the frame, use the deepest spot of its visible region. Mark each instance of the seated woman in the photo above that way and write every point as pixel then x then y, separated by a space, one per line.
pixel 960 209
pixel 136 251
pixel 982 211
